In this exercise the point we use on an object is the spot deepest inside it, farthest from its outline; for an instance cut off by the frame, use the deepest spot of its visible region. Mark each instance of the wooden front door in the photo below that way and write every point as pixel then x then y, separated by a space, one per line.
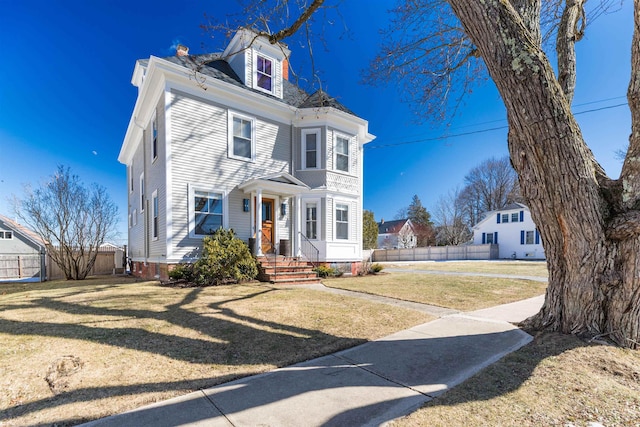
pixel 268 235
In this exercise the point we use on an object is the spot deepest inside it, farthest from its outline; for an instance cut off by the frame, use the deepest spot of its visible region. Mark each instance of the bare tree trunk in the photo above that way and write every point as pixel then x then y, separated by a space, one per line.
pixel 594 267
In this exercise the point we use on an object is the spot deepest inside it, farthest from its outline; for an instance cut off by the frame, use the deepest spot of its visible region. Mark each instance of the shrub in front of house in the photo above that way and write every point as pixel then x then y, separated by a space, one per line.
pixel 325 271
pixel 225 258
pixel 376 268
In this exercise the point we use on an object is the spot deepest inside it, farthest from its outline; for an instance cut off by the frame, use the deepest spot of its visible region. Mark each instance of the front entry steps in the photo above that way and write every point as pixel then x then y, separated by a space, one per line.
pixel 282 270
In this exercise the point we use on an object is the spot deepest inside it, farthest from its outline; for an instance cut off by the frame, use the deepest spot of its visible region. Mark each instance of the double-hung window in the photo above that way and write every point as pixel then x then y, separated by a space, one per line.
pixel 142 192
pixel 311 221
pixel 6 235
pixel 241 137
pixel 342 153
pixel 311 149
pixel 505 218
pixel 264 73
pixel 156 224
pixel 514 217
pixel 208 212
pixel 154 137
pixel 342 221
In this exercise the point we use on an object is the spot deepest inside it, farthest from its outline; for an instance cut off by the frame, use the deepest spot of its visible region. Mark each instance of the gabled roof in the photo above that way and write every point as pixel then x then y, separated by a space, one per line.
pixel 22 230
pixel 392 227
pixel 214 66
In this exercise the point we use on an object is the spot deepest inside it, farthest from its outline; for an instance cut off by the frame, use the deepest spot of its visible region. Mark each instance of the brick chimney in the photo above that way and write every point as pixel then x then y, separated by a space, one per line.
pixel 285 68
pixel 182 50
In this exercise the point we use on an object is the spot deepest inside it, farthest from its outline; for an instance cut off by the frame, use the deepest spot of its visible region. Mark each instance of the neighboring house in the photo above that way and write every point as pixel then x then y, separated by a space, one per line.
pixel 225 140
pixel 22 253
pixel 513 230
pixel 397 234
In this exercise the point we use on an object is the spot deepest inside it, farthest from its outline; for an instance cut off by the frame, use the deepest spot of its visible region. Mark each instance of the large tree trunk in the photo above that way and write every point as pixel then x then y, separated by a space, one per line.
pixel 588 223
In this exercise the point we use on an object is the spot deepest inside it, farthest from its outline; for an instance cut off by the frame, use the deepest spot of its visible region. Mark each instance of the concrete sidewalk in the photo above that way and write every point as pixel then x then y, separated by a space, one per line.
pixel 367 385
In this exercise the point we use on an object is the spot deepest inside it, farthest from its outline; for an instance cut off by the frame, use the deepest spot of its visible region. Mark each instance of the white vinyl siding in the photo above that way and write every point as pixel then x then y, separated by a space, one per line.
pixel 199 157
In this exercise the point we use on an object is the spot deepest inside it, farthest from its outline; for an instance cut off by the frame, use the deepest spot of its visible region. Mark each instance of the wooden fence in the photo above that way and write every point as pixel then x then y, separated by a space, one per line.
pixel 21 267
pixel 108 261
pixel 437 253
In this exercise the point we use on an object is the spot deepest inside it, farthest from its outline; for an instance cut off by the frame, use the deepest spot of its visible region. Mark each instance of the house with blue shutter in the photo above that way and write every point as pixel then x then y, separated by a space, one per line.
pixel 226 140
pixel 513 230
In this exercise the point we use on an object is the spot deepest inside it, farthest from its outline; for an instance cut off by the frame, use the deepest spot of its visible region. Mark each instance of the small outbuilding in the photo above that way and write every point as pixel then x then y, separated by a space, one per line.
pixel 22 253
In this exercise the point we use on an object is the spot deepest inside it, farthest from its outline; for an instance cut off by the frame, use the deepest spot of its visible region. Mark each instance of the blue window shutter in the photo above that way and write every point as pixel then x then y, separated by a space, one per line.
pixel 522 237
pixel 521 216
pixel 484 238
pixel 498 218
pixel 537 238
pixel 495 238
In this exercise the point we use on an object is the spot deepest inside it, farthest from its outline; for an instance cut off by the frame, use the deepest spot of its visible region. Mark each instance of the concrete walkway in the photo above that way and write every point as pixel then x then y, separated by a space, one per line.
pixel 367 385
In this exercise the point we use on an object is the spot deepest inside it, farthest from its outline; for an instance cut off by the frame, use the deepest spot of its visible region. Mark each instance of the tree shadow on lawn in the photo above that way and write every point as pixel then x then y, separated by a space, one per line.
pixel 243 340
pixel 371 376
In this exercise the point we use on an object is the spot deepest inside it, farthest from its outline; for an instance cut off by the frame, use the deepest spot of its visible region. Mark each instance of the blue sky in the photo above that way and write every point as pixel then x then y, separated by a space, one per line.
pixel 66 96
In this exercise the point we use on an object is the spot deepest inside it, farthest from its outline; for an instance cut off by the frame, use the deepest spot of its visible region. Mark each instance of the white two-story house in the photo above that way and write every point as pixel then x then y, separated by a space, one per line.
pixel 513 230
pixel 226 140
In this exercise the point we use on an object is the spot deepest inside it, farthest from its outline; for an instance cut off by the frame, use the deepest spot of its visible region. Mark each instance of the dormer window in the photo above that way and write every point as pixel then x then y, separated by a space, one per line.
pixel 264 73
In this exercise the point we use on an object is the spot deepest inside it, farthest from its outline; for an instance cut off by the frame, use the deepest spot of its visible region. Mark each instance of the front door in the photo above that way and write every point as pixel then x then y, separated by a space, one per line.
pixel 268 244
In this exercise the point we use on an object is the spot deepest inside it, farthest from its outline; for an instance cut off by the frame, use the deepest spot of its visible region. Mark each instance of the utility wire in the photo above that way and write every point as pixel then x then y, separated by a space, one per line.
pixel 443 137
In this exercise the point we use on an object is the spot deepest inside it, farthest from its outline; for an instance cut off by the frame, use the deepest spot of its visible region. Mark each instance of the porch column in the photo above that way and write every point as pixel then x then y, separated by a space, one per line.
pixel 259 223
pixel 298 209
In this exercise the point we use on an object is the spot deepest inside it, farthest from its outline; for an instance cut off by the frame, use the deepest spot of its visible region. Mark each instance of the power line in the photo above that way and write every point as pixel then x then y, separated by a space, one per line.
pixel 443 137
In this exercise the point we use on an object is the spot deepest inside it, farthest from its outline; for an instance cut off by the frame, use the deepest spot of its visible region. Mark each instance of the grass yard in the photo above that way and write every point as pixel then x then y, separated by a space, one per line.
pixel 76 351
pixel 463 293
pixel 519 268
pixel 557 380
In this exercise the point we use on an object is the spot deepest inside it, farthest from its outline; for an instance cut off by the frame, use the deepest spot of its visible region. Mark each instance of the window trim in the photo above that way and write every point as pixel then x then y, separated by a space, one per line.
pixel 193 188
pixel 335 220
pixel 230 142
pixel 154 137
pixel 335 150
pixel 254 71
pixel 155 216
pixel 141 181
pixel 130 176
pixel 305 133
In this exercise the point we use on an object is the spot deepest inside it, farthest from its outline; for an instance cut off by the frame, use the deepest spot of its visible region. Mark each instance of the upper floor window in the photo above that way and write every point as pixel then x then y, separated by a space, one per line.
pixel 514 217
pixel 505 217
pixel 264 73
pixel 154 137
pixel 130 174
pixel 6 235
pixel 342 153
pixel 311 149
pixel 241 137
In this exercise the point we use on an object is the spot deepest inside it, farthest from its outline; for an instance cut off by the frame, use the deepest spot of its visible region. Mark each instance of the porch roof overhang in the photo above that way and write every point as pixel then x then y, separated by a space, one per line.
pixel 280 183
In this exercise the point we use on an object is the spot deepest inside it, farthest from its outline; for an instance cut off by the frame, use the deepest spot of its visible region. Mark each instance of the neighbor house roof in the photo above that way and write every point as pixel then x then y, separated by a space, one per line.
pixel 213 65
pixel 391 227
pixel 22 230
